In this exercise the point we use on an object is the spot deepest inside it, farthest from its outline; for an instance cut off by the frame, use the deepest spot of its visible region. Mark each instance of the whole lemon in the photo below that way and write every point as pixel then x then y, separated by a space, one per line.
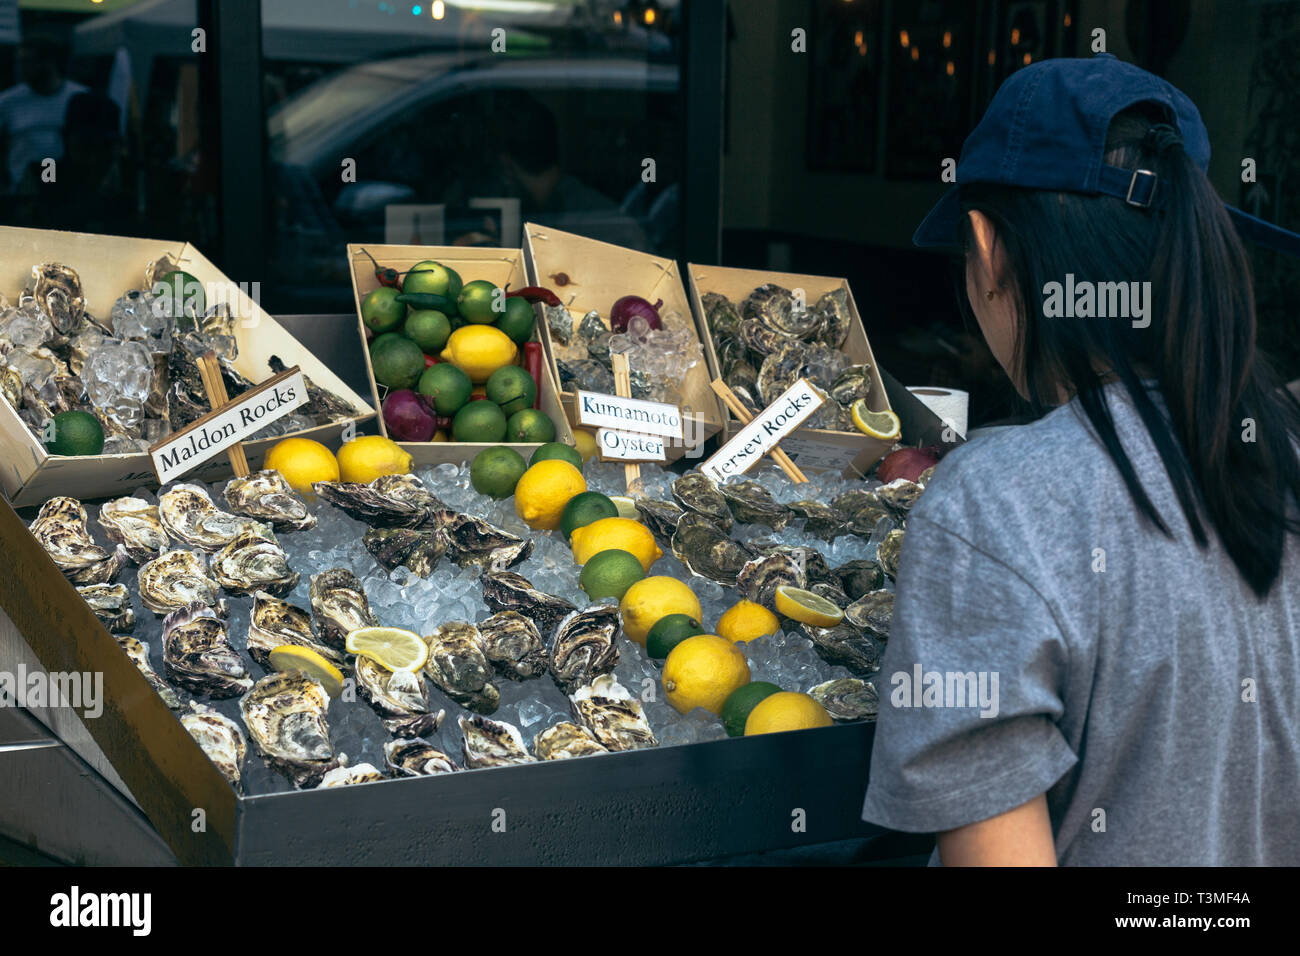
pixel 585 442
pixel 366 458
pixel 302 461
pixel 479 350
pixel 622 533
pixel 652 599
pixel 786 710
pixel 745 620
pixel 544 490
pixel 702 671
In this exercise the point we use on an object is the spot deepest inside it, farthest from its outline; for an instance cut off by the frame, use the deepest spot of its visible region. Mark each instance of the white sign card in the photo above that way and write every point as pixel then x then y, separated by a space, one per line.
pixel 615 445
pixel 764 433
pixel 223 427
pixel 635 415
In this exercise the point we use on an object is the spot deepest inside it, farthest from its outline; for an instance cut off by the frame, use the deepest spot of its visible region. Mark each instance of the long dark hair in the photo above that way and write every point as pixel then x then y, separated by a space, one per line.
pixel 1199 346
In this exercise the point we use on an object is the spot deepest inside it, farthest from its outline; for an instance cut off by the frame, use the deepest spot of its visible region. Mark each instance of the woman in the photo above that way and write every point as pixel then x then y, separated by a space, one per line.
pixel 1095 656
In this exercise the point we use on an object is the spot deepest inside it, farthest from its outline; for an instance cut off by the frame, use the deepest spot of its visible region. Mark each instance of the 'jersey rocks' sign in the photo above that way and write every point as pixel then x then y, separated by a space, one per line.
pixel 763 434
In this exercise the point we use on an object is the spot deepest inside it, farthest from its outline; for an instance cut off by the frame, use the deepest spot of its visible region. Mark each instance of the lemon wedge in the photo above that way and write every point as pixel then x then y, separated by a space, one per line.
pixel 393 647
pixel 294 659
pixel 807 607
pixel 882 425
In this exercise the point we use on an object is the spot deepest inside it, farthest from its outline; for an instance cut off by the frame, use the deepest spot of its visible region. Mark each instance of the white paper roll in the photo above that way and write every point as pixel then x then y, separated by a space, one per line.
pixel 951 405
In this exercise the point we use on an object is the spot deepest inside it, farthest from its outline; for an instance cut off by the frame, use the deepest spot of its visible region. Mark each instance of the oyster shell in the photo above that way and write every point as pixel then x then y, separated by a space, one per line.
pixel 492 743
pixel 707 551
pixel 111 604
pixel 340 605
pixel 833 309
pixel 847 645
pixel 276 623
pixel 416 758
pixel 138 651
pixel 458 666
pixel 851 384
pixel 399 697
pixel 899 496
pixel 134 524
pixel 60 527
pixel 220 738
pixel 860 576
pixel 781 369
pixel 585 646
pixel 761 576
pixel 198 655
pixel 418 549
pixel 862 510
pixel 58 291
pixel 508 591
pixel 661 518
pixel 285 716
pixel 254 562
pixel 347 776
pixel 513 644
pixel 820 519
pixel 888 553
pixel 772 307
pixel 721 314
pixel 751 503
pixel 565 740
pixel 188 514
pixel 174 580
pixel 699 493
pixel 473 542
pixel 848 698
pixel 613 715
pixel 266 496
pixel 872 613
pixel 390 501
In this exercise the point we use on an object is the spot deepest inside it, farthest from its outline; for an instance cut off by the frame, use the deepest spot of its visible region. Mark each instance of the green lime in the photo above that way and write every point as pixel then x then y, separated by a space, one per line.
pixel 76 433
pixel 430 276
pixel 481 421
pixel 397 362
pixel 736 708
pixel 386 336
pixel 530 425
pixel 381 311
pixel 181 294
pixel 447 385
pixel 512 388
pixel 555 449
pixel 610 573
pixel 517 321
pixel 669 631
pixel 481 302
pixel 495 471
pixel 428 328
pixel 585 508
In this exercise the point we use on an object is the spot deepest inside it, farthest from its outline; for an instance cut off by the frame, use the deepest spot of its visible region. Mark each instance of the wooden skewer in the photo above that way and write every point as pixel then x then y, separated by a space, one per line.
pixel 733 402
pixel 210 372
pixel 623 389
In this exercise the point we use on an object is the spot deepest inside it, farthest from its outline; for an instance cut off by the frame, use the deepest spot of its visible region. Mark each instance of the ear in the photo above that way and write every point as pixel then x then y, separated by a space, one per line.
pixel 988 254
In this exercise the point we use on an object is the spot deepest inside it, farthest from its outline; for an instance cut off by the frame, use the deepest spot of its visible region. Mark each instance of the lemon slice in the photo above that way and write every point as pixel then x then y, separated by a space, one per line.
pixel 807 607
pixel 293 659
pixel 626 507
pixel 396 649
pixel 883 425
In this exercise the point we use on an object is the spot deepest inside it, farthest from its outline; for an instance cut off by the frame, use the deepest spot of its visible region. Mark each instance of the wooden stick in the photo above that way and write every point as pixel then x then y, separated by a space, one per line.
pixel 623 389
pixel 733 402
pixel 215 386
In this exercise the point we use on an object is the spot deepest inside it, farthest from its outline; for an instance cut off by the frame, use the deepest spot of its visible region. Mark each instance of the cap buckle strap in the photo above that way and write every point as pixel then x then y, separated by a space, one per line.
pixel 1151 194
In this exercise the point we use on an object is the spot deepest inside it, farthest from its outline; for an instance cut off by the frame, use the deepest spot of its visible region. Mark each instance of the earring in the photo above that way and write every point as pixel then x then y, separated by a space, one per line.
pixel 991 294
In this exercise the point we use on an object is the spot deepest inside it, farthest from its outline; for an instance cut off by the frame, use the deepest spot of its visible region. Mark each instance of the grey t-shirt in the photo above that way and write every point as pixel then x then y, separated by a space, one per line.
pixel 1139 681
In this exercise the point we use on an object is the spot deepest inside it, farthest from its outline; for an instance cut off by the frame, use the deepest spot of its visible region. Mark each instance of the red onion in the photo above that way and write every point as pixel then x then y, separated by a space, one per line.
pixel 407 417
pixel 906 463
pixel 631 305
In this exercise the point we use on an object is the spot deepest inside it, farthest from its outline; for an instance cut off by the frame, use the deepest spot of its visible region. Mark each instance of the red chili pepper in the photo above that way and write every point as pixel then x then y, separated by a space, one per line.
pixel 389 277
pixel 430 361
pixel 533 365
pixel 535 293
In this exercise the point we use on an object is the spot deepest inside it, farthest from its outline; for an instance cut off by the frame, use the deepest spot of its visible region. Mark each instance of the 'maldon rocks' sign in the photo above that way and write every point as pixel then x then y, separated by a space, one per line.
pixel 235 421
pixel 761 435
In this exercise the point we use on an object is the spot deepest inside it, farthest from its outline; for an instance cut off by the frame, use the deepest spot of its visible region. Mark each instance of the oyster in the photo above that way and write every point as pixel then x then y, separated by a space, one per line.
pixel 399 697
pixel 612 714
pixel 277 623
pixel 861 509
pixel 390 501
pixel 848 698
pixel 833 309
pixel 418 549
pixel 322 405
pixel 134 524
pixel 459 668
pixel 60 527
pixel 491 743
pixel 751 503
pixel 707 551
pixel 220 738
pixel 781 369
pixel 254 562
pixel 508 591
pixel 197 653
pixel 860 576
pixel 888 552
pixel 820 519
pixel 285 716
pixel 831 592
pixel 138 651
pixel 58 292
pixel 266 496
pixel 11 386
pixel 847 645
pixel 721 314
pixel 174 580
pixel 923 479
pixel 699 493
pixel 899 496
pixel 188 514
pixel 872 613
pixel 565 740
pixel 514 645
pixel 340 605
pixel 347 776
pixel 761 576
pixel 851 384
pixel 474 542
pixel 661 518
pixel 777 309
pixel 585 646
pixel 415 758
pixel 111 604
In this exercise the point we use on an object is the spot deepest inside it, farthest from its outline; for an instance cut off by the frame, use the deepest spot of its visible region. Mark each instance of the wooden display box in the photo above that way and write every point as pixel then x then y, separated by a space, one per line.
pixel 599 274
pixel 110 266
pixel 813 449
pixel 499 266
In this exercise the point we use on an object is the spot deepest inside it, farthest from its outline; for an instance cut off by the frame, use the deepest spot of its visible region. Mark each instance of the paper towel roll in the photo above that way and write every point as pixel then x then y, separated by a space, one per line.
pixel 951 405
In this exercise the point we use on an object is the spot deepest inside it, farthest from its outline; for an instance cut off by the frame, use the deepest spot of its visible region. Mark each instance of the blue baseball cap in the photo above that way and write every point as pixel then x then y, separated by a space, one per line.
pixel 1046 129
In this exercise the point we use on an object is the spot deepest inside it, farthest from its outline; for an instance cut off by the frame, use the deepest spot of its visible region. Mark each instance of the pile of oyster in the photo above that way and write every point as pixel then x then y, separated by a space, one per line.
pixel 135 370
pixel 773 338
